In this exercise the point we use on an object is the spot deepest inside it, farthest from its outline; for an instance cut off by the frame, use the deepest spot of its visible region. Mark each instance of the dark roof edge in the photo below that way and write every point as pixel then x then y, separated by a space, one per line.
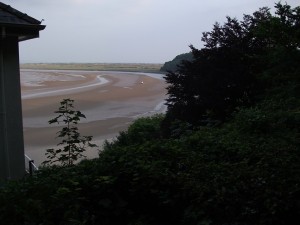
pixel 35 26
pixel 19 14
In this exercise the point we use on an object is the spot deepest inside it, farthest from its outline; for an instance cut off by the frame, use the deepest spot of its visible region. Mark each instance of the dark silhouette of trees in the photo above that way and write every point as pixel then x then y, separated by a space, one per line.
pixel 173 65
pixel 227 72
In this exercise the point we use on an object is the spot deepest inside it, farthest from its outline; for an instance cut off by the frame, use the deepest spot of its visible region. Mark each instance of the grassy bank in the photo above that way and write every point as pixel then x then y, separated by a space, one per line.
pixel 130 67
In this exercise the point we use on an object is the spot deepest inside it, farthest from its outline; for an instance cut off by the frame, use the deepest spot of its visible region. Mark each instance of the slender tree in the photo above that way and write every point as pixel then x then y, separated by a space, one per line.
pixel 72 143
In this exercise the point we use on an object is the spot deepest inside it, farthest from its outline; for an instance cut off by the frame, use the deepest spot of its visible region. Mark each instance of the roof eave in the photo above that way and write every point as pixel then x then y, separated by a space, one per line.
pixel 22 31
pixel 25 26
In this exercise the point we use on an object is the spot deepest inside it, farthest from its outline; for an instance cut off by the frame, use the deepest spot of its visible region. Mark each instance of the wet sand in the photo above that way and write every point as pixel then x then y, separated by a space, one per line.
pixel 111 101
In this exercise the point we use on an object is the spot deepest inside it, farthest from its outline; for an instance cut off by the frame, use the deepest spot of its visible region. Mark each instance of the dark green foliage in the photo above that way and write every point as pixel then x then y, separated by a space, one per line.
pixel 175 63
pixel 142 130
pixel 230 72
pixel 244 172
pixel 73 144
pixel 247 171
pixel 66 195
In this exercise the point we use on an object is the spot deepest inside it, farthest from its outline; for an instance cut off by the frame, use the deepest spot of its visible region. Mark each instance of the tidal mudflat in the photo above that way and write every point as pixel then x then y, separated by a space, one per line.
pixel 110 100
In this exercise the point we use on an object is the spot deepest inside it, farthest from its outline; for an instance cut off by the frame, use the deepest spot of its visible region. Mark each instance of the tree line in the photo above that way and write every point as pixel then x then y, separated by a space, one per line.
pixel 240 61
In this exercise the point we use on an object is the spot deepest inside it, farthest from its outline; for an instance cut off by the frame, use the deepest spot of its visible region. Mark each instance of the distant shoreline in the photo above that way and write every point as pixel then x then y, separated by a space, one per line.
pixel 122 67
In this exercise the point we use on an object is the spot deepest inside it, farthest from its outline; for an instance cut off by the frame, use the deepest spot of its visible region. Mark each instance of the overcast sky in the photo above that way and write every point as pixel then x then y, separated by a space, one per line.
pixel 124 31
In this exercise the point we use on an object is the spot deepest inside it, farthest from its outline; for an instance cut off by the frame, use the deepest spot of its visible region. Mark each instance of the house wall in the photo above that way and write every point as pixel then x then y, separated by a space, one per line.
pixel 12 162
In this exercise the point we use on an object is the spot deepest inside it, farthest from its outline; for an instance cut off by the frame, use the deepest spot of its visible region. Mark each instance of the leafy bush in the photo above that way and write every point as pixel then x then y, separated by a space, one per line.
pixel 142 130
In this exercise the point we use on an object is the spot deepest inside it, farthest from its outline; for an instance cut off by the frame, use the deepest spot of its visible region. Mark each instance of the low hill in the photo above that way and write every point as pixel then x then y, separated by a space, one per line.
pixel 173 64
